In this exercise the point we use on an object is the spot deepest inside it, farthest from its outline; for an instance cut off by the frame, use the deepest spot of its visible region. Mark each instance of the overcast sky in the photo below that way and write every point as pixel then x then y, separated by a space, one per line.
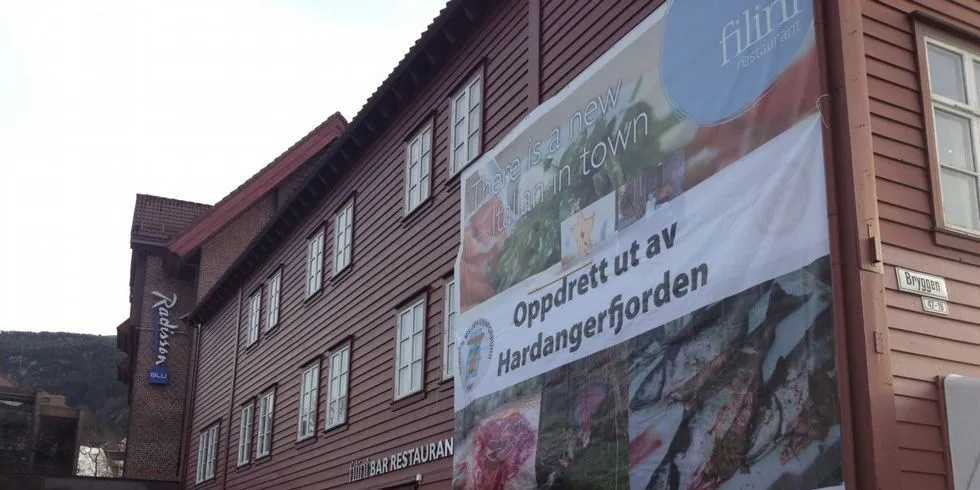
pixel 100 100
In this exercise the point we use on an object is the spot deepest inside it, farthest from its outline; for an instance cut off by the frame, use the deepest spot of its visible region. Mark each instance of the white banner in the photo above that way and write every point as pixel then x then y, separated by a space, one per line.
pixel 760 218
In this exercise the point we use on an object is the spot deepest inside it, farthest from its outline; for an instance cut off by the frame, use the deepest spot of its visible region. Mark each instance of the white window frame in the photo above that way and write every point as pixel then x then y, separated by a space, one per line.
pixel 314 263
pixel 471 121
pixel 343 238
pixel 254 317
pixel 263 443
pixel 418 154
pixel 969 110
pixel 308 388
pixel 245 434
pixel 337 387
pixel 275 293
pixel 415 364
pixel 207 453
pixel 451 310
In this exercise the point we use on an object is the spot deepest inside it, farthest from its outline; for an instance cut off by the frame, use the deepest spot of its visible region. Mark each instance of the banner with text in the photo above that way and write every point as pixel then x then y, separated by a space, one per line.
pixel 644 275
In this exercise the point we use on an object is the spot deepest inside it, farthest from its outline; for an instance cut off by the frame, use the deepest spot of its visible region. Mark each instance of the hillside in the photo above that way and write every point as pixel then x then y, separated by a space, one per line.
pixel 81 367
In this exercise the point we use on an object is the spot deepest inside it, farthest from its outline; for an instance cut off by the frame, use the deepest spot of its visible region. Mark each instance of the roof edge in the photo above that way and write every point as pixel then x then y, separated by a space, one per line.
pixel 260 184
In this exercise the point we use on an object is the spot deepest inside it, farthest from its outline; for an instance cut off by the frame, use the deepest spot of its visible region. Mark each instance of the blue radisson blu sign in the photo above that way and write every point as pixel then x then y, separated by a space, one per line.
pixel 163 330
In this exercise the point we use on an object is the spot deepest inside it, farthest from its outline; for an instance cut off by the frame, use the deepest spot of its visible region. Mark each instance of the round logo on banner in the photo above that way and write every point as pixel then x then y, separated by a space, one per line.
pixel 719 56
pixel 476 353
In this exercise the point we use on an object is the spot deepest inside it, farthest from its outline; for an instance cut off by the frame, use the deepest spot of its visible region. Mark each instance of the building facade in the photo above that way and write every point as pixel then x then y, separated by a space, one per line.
pixel 325 353
pixel 179 250
pixel 39 432
pixel 158 348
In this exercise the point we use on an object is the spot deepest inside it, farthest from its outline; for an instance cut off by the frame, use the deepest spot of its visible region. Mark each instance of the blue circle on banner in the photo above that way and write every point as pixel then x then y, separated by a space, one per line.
pixel 719 56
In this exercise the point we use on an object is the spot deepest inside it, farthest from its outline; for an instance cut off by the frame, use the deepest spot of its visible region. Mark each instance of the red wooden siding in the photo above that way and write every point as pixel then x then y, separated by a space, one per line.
pixel 923 346
pixel 395 258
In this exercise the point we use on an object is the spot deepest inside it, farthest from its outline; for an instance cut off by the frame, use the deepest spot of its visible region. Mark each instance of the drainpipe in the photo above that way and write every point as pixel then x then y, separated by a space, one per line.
pixel 189 399
pixel 234 382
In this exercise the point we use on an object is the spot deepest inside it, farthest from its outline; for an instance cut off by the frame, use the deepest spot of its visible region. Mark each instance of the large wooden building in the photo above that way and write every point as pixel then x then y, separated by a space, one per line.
pixel 325 346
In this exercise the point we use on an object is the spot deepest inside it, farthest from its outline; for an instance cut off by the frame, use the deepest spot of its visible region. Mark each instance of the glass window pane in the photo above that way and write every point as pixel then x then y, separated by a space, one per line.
pixel 405 326
pixel 418 321
pixel 404 381
pixel 960 205
pixel 474 144
pixel 954 140
pixel 475 92
pixel 946 73
pixel 976 83
pixel 474 120
pixel 460 108
pixel 417 347
pixel 405 353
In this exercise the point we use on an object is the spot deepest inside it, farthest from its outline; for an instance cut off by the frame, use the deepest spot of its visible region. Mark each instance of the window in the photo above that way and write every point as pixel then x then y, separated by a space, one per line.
pixel 207 453
pixel 245 434
pixel 337 388
pixel 254 310
pixel 408 352
pixel 449 332
pixel 954 80
pixel 275 285
pixel 343 232
pixel 264 443
pixel 314 263
pixel 466 124
pixel 307 402
pixel 418 160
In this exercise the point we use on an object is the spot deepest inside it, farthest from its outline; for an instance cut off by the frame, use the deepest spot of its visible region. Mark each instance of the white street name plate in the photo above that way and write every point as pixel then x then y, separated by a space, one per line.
pixel 919 283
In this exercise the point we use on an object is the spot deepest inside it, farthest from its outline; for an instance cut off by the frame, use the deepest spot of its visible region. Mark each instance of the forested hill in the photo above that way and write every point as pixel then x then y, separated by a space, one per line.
pixel 81 367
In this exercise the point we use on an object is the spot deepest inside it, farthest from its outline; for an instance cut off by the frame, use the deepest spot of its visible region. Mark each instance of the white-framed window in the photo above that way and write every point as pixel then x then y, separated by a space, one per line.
pixel 207 453
pixel 337 387
pixel 342 237
pixel 245 434
pixel 314 263
pixel 307 402
pixel 449 331
pixel 275 289
pixel 954 79
pixel 466 124
pixel 263 444
pixel 418 162
pixel 410 336
pixel 254 316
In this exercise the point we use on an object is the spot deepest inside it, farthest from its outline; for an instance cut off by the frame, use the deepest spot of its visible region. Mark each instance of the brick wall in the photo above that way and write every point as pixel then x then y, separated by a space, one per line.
pixel 156 411
pixel 223 248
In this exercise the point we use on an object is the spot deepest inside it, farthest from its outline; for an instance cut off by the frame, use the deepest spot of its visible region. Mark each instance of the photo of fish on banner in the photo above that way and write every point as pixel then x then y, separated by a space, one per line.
pixel 741 394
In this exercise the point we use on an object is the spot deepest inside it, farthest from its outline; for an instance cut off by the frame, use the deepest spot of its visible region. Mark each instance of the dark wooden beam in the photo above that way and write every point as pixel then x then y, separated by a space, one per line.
pixel 397 94
pixel 469 14
pixel 449 36
pixel 413 75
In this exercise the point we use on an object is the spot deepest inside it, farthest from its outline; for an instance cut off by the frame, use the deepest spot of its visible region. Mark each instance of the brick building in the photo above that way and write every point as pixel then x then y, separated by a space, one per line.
pixel 158 345
pixel 179 249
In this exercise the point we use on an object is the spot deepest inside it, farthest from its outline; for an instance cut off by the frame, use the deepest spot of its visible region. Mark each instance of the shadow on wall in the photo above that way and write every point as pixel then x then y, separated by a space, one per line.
pixel 11 482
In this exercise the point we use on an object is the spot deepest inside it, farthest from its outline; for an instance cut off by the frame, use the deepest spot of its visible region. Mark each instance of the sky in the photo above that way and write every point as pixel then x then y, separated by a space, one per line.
pixel 104 99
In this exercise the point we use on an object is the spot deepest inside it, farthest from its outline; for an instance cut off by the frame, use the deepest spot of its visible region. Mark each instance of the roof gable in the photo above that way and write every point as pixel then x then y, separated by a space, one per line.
pixel 260 184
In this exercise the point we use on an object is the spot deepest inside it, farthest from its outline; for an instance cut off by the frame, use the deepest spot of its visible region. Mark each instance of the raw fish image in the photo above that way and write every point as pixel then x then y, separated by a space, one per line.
pixel 741 394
